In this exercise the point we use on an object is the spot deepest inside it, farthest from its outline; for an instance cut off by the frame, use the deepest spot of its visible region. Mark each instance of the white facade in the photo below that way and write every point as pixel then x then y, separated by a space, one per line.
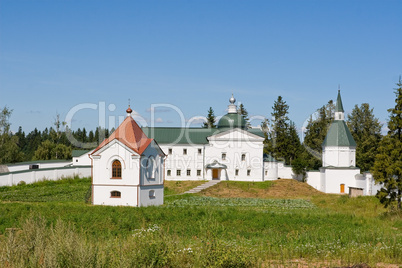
pixel 238 151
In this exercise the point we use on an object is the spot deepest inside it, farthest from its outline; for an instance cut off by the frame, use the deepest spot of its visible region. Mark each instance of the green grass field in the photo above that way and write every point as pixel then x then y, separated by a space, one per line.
pixel 49 224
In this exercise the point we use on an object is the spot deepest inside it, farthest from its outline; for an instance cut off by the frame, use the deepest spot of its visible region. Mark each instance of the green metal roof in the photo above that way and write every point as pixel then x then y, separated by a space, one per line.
pixel 77 153
pixel 339 135
pixel 339 106
pixel 256 131
pixel 177 135
pixel 234 120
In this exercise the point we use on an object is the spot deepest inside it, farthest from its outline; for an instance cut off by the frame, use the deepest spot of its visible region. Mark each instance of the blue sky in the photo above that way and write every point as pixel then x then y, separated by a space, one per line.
pixel 55 55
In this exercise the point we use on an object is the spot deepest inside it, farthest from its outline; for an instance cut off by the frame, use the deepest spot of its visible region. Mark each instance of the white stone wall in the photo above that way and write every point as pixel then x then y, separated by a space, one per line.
pixel 34 175
pixel 314 179
pixel 82 160
pixel 285 172
pixel 270 171
pixel 42 164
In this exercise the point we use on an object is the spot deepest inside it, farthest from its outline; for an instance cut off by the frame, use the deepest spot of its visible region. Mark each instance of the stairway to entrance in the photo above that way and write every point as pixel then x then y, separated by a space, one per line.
pixel 202 187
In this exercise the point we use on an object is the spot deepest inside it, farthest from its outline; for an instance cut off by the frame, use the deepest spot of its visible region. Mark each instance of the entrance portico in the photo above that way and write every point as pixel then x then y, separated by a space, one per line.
pixel 216 171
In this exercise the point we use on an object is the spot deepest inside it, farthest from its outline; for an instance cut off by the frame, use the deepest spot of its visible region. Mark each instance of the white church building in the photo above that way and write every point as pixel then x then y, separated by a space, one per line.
pixel 228 152
pixel 127 168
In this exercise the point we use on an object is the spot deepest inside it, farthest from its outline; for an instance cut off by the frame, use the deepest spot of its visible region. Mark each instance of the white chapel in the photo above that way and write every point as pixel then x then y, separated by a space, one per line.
pixel 127 168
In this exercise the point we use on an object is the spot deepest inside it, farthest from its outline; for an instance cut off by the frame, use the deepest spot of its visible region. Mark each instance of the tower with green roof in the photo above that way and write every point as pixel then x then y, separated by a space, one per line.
pixel 339 147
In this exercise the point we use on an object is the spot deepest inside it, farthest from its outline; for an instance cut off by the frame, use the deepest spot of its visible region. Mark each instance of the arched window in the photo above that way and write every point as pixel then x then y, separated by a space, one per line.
pixel 116 169
pixel 115 194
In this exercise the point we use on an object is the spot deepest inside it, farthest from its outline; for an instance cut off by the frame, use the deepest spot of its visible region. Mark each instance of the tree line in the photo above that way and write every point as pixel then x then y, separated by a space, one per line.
pixel 49 144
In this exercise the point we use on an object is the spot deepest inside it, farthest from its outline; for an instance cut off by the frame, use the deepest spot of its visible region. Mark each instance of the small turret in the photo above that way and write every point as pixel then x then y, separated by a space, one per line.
pixel 339 112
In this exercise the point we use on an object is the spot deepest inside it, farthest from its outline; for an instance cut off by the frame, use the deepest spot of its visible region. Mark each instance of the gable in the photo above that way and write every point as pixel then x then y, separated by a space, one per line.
pixel 236 134
pixel 113 143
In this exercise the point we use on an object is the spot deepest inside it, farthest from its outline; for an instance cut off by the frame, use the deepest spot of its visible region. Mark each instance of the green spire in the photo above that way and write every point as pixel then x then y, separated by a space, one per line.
pixel 339 106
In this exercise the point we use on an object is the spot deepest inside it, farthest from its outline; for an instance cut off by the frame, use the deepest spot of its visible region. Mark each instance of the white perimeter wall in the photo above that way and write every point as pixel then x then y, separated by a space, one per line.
pixel 82 160
pixel 34 175
pixel 285 172
pixel 314 179
pixel 25 166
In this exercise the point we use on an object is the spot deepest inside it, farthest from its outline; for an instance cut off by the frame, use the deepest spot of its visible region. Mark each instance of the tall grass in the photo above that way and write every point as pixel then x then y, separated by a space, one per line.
pixel 195 231
pixel 60 245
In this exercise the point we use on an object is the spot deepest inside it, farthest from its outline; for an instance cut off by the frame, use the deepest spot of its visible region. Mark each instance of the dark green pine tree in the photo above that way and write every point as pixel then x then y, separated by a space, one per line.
pixel 91 136
pixel 295 148
pixel 315 133
pixel 241 110
pixel 366 131
pixel 388 163
pixel 282 138
pixel 211 119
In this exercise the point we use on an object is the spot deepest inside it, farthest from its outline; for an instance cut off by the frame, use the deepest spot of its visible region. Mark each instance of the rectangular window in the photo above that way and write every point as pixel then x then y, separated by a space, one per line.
pixel 169 172
pixel 198 172
pixel 188 172
pixel 223 156
pixel 199 151
pixel 236 172
pixel 243 157
pixel 184 151
pixel 178 172
pixel 248 172
pixel 266 172
pixel 170 150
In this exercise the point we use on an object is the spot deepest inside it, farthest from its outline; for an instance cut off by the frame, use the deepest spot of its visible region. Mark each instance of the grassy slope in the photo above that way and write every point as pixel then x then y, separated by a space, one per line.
pixel 334 227
pixel 178 187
